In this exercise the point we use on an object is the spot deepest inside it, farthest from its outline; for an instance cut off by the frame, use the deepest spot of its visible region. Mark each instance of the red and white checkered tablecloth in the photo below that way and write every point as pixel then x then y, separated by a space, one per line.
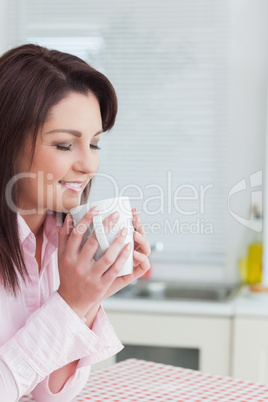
pixel 141 381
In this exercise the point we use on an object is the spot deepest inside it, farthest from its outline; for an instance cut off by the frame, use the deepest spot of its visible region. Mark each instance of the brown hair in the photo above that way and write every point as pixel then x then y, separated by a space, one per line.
pixel 33 79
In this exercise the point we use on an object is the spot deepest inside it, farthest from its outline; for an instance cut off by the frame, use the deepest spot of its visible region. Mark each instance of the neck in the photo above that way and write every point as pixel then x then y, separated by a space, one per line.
pixel 35 222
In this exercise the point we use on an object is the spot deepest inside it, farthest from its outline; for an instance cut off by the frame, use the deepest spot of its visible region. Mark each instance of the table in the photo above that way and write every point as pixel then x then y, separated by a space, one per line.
pixel 137 380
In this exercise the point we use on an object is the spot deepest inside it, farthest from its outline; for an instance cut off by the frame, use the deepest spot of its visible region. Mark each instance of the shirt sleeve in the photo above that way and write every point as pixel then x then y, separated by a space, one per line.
pixel 70 390
pixel 52 337
pixel 42 393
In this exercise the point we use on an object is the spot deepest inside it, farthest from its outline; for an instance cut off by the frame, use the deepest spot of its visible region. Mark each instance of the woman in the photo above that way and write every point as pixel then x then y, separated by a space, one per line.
pixel 53 110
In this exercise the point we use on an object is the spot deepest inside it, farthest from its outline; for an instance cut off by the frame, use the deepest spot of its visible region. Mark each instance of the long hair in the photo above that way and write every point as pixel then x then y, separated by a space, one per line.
pixel 33 79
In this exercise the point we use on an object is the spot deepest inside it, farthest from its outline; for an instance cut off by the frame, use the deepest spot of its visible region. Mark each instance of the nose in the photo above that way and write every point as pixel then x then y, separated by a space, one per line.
pixel 86 162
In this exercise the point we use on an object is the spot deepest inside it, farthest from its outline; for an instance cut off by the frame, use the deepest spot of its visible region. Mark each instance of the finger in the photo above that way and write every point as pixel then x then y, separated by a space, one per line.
pixel 110 221
pixel 111 254
pixel 135 213
pixel 143 266
pixel 64 232
pixel 135 262
pixel 108 224
pixel 142 242
pixel 90 248
pixel 91 245
pixel 78 232
pixel 118 265
pixel 138 271
pixel 138 225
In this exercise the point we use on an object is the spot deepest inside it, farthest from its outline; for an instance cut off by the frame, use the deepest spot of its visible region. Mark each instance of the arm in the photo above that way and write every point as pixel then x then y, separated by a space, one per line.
pixel 41 393
pixel 8 387
pixel 48 391
pixel 58 378
pixel 65 383
pixel 72 387
pixel 54 330
pixel 65 380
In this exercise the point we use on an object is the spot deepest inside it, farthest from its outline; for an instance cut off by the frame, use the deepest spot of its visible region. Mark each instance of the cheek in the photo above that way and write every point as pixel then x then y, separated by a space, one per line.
pixel 95 162
pixel 53 168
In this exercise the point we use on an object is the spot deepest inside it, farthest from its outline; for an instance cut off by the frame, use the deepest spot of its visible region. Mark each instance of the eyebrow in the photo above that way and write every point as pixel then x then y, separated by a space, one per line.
pixel 73 132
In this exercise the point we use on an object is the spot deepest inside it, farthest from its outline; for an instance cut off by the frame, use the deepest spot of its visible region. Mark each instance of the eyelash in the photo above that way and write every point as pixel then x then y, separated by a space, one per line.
pixel 62 148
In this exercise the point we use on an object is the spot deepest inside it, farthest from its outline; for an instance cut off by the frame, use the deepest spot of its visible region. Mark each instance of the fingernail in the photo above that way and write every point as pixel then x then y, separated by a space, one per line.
pixel 68 219
pixel 137 234
pixel 137 253
pixel 124 232
pixel 115 215
pixel 128 246
pixel 134 210
pixel 94 209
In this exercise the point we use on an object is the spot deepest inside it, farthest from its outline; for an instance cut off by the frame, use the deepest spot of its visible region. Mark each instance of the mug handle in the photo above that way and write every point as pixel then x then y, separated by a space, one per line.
pixel 100 233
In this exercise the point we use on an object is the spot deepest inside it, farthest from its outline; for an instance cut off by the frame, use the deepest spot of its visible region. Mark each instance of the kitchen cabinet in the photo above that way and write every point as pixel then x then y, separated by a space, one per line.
pixel 210 335
pixel 250 349
pixel 232 338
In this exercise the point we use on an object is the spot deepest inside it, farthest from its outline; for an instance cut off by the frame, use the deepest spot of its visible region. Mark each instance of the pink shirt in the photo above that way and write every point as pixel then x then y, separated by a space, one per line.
pixel 40 333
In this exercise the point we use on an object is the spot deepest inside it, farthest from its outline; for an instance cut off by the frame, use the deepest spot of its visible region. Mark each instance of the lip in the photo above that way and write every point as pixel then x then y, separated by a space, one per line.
pixel 73 189
pixel 72 181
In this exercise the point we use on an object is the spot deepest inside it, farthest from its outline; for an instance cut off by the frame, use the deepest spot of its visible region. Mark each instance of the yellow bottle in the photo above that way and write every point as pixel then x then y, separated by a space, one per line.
pixel 250 265
pixel 254 263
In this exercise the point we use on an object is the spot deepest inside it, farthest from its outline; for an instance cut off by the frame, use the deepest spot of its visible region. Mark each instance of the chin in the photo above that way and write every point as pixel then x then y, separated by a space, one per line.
pixel 67 205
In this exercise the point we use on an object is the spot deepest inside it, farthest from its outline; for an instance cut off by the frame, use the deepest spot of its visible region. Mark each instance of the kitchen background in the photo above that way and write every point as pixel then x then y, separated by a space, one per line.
pixel 188 148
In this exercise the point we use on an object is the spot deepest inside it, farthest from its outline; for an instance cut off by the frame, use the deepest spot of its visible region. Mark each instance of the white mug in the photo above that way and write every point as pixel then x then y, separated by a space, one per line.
pixel 106 208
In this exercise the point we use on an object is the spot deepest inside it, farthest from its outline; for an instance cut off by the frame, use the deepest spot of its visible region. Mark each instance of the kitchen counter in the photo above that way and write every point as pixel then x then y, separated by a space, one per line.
pixel 244 304
pixel 251 304
pixel 167 306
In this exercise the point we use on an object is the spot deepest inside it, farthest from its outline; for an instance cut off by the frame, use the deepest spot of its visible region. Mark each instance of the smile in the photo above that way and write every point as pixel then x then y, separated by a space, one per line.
pixel 72 186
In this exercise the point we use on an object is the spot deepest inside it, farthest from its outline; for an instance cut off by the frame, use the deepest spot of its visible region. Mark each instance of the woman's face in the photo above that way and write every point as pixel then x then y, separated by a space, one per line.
pixel 65 157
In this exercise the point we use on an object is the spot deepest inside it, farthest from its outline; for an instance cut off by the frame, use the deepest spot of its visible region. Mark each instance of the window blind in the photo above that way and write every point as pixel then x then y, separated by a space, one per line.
pixel 168 61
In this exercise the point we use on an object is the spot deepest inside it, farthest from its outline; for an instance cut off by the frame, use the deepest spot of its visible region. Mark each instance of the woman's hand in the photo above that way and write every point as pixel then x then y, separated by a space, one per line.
pixel 84 282
pixel 142 247
pixel 141 262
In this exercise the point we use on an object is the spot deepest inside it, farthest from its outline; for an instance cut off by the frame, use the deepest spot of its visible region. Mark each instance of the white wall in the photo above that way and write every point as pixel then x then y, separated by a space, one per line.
pixel 247 113
pixel 3 21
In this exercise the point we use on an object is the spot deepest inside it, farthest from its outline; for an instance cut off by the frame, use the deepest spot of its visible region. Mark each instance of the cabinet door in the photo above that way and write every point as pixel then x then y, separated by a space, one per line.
pixel 210 335
pixel 250 351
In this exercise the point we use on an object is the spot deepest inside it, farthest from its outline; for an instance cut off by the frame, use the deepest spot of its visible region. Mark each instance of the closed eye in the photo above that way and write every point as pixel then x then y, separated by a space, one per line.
pixel 68 148
pixel 62 148
pixel 95 147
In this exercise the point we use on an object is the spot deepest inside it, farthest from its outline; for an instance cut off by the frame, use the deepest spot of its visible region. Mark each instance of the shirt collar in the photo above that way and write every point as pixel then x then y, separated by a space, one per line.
pixel 24 230
pixel 51 228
